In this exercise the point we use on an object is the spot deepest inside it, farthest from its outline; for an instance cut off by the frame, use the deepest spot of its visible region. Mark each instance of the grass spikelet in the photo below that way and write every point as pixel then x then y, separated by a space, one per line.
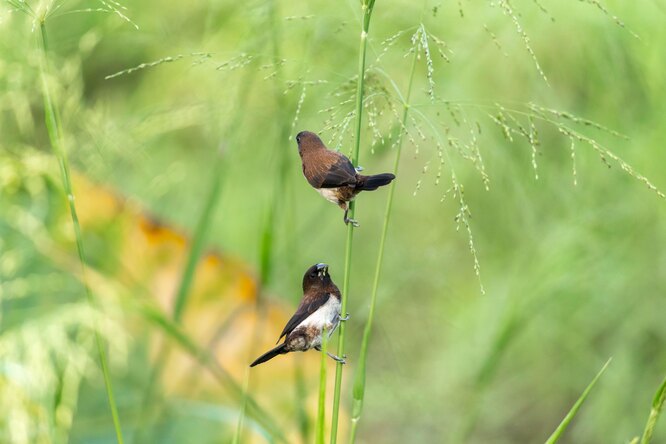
pixel 453 109
pixel 578 120
pixel 389 42
pixel 508 10
pixel 299 106
pixel 240 61
pixel 543 9
pixel 299 17
pixel 117 8
pixel 497 43
pixel 500 120
pixel 605 154
pixel 616 19
pixel 442 47
pixel 534 142
pixel 440 164
pixel 423 44
pixel 477 159
pixel 463 217
pixel 168 59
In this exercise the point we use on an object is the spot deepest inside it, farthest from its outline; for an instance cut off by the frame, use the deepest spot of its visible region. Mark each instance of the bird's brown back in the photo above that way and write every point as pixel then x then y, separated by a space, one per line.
pixel 323 167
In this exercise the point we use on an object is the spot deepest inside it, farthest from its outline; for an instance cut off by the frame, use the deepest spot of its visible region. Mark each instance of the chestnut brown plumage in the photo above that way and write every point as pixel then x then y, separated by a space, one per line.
pixel 332 173
pixel 319 309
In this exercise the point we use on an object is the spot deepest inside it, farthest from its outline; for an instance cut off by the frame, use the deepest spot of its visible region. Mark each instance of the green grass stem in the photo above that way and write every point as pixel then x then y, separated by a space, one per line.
pixel 321 406
pixel 359 377
pixel 567 419
pixel 54 129
pixel 366 7
pixel 657 407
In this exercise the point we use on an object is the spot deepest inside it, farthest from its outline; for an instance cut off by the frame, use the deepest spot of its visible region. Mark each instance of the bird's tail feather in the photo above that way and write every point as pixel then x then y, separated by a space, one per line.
pixel 371 183
pixel 270 354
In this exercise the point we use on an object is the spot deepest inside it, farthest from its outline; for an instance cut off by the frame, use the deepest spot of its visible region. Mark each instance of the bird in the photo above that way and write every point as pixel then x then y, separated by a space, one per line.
pixel 333 175
pixel 319 309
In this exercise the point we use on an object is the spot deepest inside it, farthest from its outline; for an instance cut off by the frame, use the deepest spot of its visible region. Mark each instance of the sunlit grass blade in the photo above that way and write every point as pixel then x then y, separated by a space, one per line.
pixel 321 406
pixel 199 239
pixel 241 416
pixel 366 7
pixel 359 377
pixel 655 411
pixel 567 419
pixel 207 360
pixel 54 129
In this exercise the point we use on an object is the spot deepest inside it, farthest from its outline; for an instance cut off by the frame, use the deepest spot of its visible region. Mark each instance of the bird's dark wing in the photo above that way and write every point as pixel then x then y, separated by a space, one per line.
pixel 308 305
pixel 340 174
pixel 331 170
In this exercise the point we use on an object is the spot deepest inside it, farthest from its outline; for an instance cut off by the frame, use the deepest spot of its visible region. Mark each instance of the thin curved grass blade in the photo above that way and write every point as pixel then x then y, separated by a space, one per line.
pixel 207 360
pixel 557 434
pixel 657 407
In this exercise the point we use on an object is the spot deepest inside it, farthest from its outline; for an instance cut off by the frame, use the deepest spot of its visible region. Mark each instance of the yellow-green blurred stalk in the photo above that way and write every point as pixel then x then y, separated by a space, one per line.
pixel 54 129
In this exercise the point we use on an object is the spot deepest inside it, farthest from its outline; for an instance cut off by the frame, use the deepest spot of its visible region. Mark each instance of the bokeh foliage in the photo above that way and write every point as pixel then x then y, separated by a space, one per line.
pixel 573 274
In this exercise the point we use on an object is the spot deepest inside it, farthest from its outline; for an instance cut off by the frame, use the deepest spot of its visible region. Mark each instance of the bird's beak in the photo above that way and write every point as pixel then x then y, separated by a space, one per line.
pixel 322 269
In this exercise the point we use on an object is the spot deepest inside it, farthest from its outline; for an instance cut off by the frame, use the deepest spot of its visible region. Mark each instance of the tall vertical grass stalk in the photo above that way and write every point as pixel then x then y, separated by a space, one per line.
pixel 359 377
pixel 657 406
pixel 54 129
pixel 366 8
pixel 567 419
pixel 321 410
pixel 268 234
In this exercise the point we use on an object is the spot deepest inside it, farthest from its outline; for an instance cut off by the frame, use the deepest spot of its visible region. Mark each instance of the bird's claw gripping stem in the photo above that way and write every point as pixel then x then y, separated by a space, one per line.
pixel 337 358
pixel 344 318
pixel 351 221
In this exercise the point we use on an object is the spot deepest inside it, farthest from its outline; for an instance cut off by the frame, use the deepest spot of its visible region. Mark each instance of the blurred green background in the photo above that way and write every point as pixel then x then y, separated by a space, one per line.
pixel 573 274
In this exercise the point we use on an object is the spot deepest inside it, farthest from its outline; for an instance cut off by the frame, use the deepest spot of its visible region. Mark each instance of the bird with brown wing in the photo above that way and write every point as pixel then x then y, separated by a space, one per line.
pixel 318 311
pixel 333 175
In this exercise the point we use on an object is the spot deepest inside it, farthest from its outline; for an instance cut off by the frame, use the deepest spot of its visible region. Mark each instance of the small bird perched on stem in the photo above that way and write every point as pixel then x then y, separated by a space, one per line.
pixel 319 310
pixel 332 173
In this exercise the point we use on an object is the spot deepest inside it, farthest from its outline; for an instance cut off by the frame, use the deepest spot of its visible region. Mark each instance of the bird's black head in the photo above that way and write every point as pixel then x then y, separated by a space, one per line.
pixel 316 276
pixel 308 141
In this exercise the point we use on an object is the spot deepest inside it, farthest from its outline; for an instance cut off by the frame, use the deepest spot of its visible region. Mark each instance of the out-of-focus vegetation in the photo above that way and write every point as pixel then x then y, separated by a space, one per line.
pixel 569 252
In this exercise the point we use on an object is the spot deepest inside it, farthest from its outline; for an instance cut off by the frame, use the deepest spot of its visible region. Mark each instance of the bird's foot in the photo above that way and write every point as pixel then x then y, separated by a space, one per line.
pixel 359 168
pixel 345 318
pixel 351 221
pixel 338 358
